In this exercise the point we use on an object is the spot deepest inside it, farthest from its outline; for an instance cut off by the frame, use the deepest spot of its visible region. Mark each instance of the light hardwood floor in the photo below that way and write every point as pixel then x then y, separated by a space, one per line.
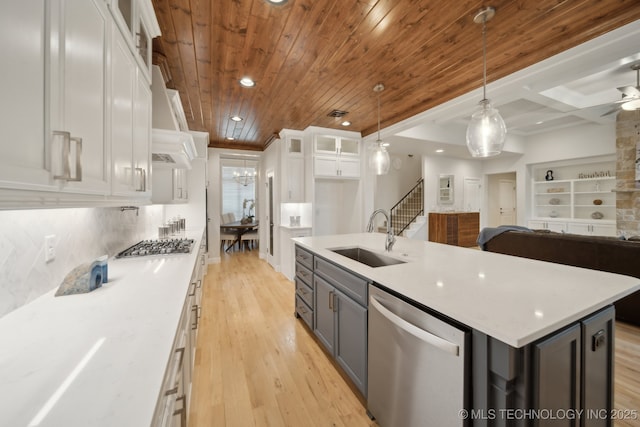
pixel 257 365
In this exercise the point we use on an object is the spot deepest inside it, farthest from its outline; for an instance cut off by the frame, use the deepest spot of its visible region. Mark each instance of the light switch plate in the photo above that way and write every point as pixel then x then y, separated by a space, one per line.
pixel 49 248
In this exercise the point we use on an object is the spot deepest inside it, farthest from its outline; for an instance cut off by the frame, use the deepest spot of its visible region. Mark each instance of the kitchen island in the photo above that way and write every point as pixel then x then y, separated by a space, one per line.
pixel 524 318
pixel 100 358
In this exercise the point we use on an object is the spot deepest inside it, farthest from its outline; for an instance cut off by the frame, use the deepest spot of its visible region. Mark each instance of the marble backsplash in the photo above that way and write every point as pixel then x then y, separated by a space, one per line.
pixel 81 236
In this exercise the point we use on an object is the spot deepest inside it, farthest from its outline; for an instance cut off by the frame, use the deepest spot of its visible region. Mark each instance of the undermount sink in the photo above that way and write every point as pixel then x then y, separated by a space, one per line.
pixel 367 257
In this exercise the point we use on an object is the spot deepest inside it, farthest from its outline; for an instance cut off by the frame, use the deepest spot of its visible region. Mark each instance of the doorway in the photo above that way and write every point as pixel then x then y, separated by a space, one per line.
pixel 269 219
pixel 502 199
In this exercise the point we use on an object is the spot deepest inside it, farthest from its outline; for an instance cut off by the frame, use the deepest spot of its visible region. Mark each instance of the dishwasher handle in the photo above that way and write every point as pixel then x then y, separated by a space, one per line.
pixel 417 332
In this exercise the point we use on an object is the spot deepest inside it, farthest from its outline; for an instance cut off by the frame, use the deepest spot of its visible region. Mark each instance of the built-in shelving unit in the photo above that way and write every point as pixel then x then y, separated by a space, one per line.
pixel 582 205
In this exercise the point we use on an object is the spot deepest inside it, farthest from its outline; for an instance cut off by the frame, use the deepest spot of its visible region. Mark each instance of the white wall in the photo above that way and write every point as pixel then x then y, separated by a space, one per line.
pixel 434 166
pixel 81 236
pixel 392 187
pixel 585 143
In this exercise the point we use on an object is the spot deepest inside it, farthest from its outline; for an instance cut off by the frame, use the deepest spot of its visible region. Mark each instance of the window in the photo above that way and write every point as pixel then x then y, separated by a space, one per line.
pixel 239 187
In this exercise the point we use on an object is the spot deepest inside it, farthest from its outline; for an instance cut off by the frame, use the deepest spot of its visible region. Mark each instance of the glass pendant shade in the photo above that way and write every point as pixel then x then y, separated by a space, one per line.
pixel 486 131
pixel 379 160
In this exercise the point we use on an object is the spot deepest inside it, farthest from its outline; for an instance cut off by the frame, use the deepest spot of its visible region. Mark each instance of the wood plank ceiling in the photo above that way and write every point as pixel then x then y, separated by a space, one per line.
pixel 309 57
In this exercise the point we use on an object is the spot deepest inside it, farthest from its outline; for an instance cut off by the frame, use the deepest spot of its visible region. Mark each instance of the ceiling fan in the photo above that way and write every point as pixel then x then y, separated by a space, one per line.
pixel 630 95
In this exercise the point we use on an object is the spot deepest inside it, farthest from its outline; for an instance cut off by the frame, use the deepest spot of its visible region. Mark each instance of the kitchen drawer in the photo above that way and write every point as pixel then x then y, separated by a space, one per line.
pixel 304 274
pixel 304 311
pixel 304 291
pixel 304 257
pixel 354 286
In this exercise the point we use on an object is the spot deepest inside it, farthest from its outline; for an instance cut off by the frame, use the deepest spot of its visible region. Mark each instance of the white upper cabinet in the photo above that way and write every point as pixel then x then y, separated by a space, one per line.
pixel 142 138
pixel 123 87
pixel 24 151
pixel 73 95
pixel 137 23
pixel 79 92
pixel 336 156
pixel 54 139
pixel 293 177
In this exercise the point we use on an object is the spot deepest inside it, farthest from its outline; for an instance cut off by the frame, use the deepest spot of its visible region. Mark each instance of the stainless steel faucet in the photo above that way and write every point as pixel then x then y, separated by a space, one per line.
pixel 388 244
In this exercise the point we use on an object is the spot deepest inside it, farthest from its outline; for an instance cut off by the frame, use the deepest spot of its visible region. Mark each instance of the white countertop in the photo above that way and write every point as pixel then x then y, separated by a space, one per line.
pixel 515 300
pixel 124 331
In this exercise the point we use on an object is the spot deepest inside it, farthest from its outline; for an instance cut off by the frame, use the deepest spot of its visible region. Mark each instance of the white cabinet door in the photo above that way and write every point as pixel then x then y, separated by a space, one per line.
pixel 588 229
pixel 349 168
pixel 24 154
pixel 603 230
pixel 180 185
pixel 324 144
pixel 123 80
pixel 558 227
pixel 295 179
pixel 325 166
pixel 78 94
pixel 579 228
pixel 349 147
pixel 142 138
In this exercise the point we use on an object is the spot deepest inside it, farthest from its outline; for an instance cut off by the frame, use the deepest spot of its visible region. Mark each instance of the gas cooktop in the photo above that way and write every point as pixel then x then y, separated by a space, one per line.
pixel 158 247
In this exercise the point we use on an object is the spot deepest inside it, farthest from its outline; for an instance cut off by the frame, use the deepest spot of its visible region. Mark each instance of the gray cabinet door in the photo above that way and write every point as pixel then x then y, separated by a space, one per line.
pixel 351 345
pixel 597 368
pixel 556 382
pixel 323 312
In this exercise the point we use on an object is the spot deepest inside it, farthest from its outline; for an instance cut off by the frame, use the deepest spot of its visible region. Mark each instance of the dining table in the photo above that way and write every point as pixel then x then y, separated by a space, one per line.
pixel 239 227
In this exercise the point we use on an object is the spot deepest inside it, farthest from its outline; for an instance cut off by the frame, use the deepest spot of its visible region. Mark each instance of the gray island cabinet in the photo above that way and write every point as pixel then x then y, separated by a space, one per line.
pixel 338 312
pixel 541 345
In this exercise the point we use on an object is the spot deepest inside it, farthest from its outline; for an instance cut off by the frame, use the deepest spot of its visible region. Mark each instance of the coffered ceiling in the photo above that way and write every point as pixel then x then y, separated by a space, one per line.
pixel 309 57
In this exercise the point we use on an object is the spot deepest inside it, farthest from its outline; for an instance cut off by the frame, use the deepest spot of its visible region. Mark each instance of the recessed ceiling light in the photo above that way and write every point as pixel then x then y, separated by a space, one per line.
pixel 385 144
pixel 247 82
pixel 540 122
pixel 439 150
pixel 278 2
pixel 230 138
pixel 236 118
pixel 346 123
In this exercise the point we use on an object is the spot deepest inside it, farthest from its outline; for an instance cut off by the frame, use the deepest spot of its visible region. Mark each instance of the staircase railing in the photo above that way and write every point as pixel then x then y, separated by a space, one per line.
pixel 403 213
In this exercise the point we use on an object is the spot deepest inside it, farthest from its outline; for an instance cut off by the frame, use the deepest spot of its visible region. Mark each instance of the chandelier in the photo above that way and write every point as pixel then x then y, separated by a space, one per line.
pixel 246 177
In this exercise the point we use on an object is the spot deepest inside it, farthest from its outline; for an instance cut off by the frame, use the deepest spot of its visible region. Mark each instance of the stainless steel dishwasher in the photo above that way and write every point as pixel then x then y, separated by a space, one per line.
pixel 418 369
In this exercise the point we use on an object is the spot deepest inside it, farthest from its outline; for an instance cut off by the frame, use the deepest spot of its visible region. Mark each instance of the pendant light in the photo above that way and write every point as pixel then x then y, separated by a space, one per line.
pixel 486 131
pixel 379 160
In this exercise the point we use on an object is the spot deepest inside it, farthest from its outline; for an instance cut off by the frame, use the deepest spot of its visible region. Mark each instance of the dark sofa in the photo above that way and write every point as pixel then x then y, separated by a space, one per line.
pixel 597 253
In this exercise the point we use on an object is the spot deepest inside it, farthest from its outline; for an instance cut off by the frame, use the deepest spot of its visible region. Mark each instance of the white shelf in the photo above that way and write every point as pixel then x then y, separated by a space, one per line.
pixel 576 200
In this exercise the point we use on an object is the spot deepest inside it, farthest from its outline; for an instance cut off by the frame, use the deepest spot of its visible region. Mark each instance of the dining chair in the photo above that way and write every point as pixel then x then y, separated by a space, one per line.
pixel 250 238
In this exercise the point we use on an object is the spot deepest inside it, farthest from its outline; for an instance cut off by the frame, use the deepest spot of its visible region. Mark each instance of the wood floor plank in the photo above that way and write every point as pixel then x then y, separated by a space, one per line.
pixel 257 365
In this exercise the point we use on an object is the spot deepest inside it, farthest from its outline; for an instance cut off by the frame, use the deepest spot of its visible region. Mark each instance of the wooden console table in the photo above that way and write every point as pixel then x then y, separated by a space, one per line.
pixel 454 228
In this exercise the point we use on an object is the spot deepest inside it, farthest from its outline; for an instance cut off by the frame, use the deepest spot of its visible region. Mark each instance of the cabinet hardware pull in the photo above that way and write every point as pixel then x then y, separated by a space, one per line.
pixel 66 157
pixel 181 351
pixel 331 300
pixel 182 411
pixel 194 289
pixel 194 308
pixel 171 391
pixel 199 283
pixel 142 183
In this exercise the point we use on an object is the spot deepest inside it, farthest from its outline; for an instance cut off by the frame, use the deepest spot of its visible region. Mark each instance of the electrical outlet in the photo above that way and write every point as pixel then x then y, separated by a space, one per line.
pixel 49 248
